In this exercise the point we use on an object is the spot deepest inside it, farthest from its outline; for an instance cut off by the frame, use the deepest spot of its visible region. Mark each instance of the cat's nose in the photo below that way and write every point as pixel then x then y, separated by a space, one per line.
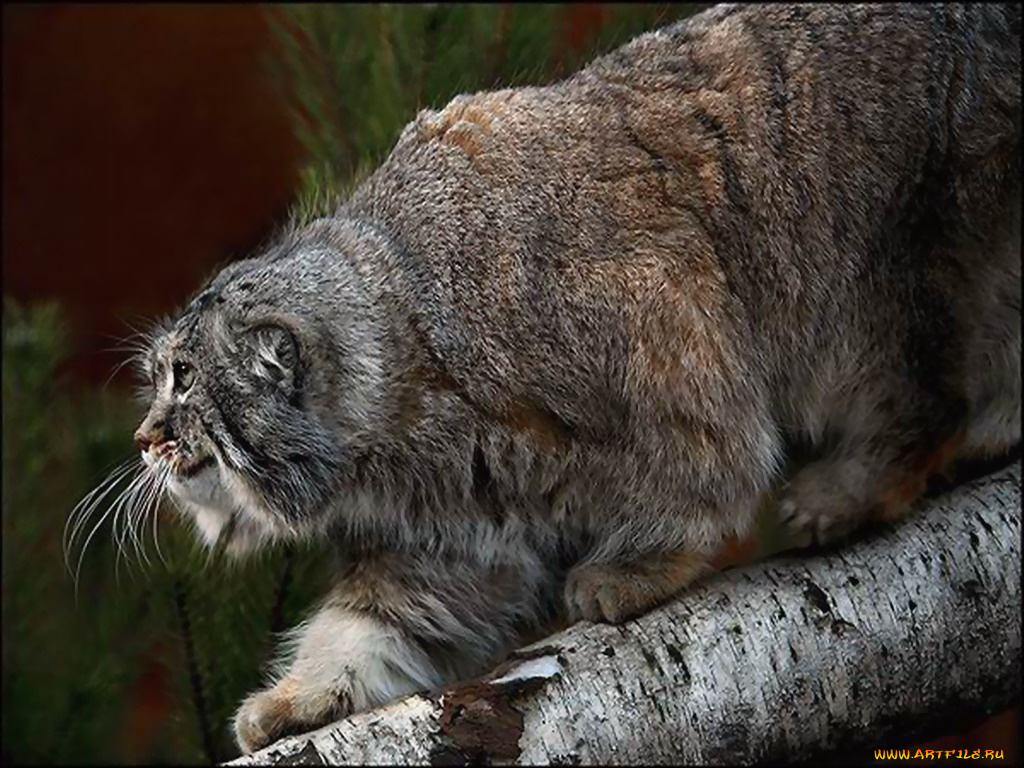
pixel 146 435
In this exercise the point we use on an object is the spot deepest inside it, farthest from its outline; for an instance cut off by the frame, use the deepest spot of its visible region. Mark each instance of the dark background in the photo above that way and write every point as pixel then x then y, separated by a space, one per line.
pixel 143 146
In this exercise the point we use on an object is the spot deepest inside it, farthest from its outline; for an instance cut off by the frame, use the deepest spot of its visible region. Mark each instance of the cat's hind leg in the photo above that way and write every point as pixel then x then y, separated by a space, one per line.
pixel 872 480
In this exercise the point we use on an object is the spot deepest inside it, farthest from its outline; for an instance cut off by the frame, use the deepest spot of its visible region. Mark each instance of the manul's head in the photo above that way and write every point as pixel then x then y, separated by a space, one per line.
pixel 262 393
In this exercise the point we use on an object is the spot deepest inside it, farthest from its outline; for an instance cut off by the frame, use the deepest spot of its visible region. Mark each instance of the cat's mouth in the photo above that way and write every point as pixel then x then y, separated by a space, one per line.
pixel 181 466
pixel 192 468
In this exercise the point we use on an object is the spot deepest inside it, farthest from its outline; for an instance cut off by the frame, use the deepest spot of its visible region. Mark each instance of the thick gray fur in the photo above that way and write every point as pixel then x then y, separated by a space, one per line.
pixel 556 348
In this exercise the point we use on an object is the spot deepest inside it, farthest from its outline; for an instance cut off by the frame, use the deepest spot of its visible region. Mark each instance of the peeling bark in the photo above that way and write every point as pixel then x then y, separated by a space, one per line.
pixel 907 627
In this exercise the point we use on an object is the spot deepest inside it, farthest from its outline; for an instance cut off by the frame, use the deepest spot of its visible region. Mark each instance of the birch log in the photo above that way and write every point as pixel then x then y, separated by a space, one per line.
pixel 790 659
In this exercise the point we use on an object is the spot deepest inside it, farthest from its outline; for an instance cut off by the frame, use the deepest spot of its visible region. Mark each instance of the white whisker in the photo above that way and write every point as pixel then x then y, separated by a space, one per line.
pixel 149 505
pixel 85 546
pixel 88 505
pixel 142 510
pixel 84 508
pixel 134 510
pixel 134 358
pixel 126 505
pixel 138 522
pixel 161 489
pixel 116 532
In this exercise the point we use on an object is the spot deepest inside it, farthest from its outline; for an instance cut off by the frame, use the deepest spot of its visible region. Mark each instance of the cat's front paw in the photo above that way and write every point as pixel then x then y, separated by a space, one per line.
pixel 593 593
pixel 260 720
pixel 615 593
pixel 606 593
pixel 817 507
pixel 268 715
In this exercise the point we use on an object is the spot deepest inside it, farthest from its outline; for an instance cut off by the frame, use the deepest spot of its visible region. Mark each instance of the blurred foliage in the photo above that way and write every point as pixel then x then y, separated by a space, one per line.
pixel 148 663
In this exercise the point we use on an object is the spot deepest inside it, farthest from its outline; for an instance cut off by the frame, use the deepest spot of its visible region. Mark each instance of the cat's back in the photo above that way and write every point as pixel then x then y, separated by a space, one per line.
pixel 758 131
pixel 744 169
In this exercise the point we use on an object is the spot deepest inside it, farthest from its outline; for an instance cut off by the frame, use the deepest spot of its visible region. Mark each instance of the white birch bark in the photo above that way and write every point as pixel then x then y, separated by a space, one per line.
pixel 900 632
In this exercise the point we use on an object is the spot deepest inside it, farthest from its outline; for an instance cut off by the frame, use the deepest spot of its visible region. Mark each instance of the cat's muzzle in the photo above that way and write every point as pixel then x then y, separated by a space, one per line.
pixel 180 465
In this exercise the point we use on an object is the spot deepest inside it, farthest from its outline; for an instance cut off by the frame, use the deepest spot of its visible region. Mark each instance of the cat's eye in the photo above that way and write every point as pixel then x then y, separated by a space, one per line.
pixel 183 376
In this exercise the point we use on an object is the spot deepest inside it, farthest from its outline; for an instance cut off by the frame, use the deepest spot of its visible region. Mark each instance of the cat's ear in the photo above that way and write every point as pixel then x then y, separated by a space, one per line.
pixel 275 356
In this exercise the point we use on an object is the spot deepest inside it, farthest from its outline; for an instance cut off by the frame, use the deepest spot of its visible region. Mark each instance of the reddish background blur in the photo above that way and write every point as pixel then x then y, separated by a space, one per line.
pixel 143 146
